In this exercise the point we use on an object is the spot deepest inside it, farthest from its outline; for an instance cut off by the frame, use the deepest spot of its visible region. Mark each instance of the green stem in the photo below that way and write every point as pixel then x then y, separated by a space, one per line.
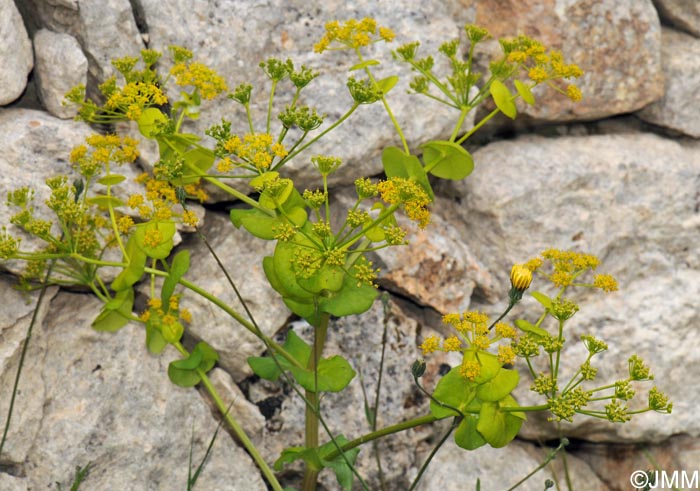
pixel 460 122
pixel 386 105
pixel 477 126
pixel 235 427
pixel 389 430
pixel 269 106
pixel 312 410
pixel 546 461
pixel 455 423
pixel 323 133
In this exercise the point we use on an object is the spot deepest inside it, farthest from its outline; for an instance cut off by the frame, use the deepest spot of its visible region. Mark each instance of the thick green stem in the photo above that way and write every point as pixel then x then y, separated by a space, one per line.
pixel 312 409
pixel 235 427
pixel 389 430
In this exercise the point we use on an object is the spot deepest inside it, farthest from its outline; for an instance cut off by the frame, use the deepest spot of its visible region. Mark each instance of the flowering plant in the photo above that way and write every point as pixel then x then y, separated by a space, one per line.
pixel 320 266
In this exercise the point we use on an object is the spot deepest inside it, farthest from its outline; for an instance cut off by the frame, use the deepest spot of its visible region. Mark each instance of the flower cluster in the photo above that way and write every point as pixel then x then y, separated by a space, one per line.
pixel 255 152
pixel 410 195
pixel 353 34
pixel 473 335
pixel 166 319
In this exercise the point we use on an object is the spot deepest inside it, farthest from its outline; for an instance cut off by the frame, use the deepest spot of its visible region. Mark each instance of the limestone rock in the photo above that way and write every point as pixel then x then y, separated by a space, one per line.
pixel 292 29
pixel 630 199
pixel 437 268
pixel 15 53
pixel 682 14
pixel 681 62
pixel 455 469
pixel 616 43
pixel 242 255
pixel 105 29
pixel 17 314
pixel 60 65
pixel 103 399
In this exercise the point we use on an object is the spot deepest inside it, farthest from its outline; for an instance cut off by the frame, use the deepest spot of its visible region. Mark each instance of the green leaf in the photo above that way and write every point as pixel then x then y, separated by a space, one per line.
pixel 343 471
pixel 134 271
pixel 198 161
pixel 447 160
pixel 190 363
pixel 209 356
pixel 524 92
pixel 526 326
pixel 172 332
pixel 396 163
pixel 542 299
pixel 115 314
pixel 183 378
pixel 362 65
pixel 150 121
pixel 104 202
pixel 291 454
pixel 264 367
pixel 154 339
pixel 111 179
pixel 179 266
pixel 326 279
pixel 490 366
pixel 456 391
pixel 498 427
pixel 166 229
pixel 467 436
pixel 499 386
pixel 388 83
pixel 334 374
pixel 503 98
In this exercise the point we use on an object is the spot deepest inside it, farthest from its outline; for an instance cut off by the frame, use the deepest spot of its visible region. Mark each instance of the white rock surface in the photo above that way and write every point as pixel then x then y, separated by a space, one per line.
pixel 683 14
pixel 681 63
pixel 60 65
pixel 96 405
pixel 15 53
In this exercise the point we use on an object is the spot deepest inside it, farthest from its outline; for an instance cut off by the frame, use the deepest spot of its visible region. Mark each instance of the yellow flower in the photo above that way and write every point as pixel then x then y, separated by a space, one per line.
pixel 452 344
pixel 574 93
pixel 470 369
pixel 430 344
pixel 520 277
pixel 605 282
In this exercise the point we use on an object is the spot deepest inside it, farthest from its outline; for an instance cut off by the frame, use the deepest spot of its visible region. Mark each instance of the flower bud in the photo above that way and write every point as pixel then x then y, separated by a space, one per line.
pixel 418 368
pixel 520 277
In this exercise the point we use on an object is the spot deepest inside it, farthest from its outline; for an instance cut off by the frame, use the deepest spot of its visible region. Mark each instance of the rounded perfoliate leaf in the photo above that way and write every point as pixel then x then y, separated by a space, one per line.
pixel 498 387
pixel 524 92
pixel 503 98
pixel 155 238
pixel 151 121
pixel 447 160
pixel 453 390
pixel 466 436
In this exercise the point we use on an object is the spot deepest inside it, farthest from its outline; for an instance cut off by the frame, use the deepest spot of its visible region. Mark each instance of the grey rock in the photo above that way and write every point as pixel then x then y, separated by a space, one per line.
pixel 17 314
pixel 242 255
pixel 436 269
pixel 616 43
pixel 15 53
pixel 455 469
pixel 616 464
pixel 683 14
pixel 11 483
pixel 60 65
pixel 246 413
pixel 630 199
pixel 105 29
pixel 681 64
pixel 211 30
pixel 95 404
